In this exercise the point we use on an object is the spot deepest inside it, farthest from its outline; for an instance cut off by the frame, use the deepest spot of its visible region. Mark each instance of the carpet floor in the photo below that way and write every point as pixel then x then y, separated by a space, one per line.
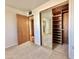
pixel 31 51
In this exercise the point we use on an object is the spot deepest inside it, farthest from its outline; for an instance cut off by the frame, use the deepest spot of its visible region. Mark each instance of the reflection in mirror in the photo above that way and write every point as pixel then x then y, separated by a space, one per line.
pixel 46 25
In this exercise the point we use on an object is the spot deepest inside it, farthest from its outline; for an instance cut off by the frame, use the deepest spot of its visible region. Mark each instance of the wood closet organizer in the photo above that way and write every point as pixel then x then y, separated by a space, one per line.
pixel 58 23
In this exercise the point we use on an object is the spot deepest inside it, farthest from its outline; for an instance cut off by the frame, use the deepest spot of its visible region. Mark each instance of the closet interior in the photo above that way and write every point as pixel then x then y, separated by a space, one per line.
pixel 57 24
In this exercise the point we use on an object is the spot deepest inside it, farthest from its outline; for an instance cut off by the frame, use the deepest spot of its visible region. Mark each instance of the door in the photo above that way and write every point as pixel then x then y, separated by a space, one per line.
pixel 22 28
pixel 65 27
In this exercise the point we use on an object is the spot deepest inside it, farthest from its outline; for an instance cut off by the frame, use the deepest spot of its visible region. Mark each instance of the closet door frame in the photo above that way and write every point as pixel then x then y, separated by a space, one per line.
pixel 52 24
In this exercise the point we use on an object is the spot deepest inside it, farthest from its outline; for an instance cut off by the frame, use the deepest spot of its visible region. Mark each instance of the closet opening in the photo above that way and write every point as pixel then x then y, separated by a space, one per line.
pixel 60 25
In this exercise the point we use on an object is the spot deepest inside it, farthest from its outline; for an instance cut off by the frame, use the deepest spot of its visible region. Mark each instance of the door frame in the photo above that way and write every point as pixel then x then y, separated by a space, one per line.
pixel 40 30
pixel 32 16
pixel 61 4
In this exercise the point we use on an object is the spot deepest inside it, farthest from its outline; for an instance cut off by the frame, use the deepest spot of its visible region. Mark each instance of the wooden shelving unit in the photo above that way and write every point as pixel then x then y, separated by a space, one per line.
pixel 58 23
pixel 57 26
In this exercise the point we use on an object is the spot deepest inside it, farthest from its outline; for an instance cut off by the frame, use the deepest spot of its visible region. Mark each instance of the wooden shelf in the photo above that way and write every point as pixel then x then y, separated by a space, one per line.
pixel 56 39
pixel 57 20
pixel 57 16
pixel 57 24
pixel 57 31
pixel 57 28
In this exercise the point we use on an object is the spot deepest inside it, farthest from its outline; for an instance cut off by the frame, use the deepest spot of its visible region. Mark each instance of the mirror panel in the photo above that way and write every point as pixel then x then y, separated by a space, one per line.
pixel 46 27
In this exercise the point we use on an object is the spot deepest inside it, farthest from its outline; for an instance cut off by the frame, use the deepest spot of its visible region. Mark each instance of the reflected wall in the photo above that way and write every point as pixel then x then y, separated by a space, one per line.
pixel 46 28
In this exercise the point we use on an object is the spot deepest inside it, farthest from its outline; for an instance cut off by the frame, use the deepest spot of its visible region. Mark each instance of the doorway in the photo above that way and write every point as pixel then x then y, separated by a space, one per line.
pixel 60 28
pixel 22 28
pixel 60 25
pixel 31 27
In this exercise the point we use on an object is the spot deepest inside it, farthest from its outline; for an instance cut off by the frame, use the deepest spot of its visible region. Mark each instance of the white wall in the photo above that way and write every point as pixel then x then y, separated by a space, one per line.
pixel 71 29
pixel 11 26
pixel 36 12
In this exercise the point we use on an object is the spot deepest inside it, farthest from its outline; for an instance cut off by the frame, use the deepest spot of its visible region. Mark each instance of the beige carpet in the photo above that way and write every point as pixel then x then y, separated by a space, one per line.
pixel 31 51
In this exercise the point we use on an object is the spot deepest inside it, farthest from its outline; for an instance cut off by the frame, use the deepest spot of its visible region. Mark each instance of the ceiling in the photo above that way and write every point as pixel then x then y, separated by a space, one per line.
pixel 25 5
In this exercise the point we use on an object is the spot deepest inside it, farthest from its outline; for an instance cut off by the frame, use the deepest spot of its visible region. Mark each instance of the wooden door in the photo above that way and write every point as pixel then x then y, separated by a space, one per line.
pixel 65 27
pixel 23 28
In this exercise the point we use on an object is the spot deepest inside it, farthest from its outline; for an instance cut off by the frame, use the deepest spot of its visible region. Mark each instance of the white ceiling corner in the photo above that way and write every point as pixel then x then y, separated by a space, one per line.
pixel 25 5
